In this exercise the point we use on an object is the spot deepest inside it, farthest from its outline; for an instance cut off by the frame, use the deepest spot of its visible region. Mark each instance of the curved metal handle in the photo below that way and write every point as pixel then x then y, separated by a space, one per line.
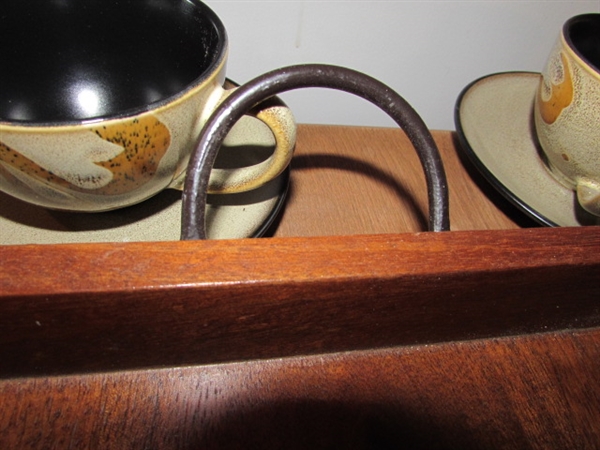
pixel 305 76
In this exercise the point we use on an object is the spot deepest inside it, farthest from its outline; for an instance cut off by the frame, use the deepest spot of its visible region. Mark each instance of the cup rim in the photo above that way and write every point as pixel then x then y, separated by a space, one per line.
pixel 221 48
pixel 566 35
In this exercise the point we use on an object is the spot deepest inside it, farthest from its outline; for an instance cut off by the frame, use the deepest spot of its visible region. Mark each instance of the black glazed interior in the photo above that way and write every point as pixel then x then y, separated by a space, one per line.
pixel 583 34
pixel 73 60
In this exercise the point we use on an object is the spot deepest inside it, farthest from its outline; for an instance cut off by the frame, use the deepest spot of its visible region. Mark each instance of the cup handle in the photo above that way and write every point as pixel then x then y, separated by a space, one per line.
pixel 588 196
pixel 304 76
pixel 280 120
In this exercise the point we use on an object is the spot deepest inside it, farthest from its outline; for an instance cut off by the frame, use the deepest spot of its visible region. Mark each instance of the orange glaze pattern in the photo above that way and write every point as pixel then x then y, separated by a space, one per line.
pixel 560 95
pixel 144 142
pixel 28 167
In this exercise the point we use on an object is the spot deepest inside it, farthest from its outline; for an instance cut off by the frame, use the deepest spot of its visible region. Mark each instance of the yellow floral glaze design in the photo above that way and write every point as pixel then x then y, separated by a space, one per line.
pixel 144 142
pixel 554 98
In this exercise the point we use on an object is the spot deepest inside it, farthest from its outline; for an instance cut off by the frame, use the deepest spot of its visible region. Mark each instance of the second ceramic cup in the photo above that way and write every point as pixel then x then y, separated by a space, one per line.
pixel 567 110
pixel 102 102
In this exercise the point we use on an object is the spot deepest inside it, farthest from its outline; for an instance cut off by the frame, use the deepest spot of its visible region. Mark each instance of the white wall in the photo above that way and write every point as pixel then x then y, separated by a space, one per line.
pixel 427 51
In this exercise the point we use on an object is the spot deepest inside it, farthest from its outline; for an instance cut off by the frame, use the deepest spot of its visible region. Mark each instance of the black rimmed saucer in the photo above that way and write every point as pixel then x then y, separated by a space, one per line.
pixel 494 123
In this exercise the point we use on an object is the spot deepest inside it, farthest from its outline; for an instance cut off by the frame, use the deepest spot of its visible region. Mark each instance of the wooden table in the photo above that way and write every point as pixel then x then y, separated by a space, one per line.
pixel 349 327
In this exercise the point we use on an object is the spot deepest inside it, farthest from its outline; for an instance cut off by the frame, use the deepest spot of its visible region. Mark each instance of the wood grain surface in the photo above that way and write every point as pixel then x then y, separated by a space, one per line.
pixel 530 392
pixel 136 305
pixel 355 180
pixel 347 328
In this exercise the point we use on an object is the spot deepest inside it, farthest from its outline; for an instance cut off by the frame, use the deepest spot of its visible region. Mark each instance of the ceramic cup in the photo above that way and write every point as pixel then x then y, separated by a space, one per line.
pixel 102 102
pixel 567 110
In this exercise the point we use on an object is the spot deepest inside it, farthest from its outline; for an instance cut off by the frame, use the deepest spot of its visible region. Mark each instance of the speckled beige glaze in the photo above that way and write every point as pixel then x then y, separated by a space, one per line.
pixel 567 120
pixel 283 127
pixel 159 219
pixel 496 115
pixel 113 163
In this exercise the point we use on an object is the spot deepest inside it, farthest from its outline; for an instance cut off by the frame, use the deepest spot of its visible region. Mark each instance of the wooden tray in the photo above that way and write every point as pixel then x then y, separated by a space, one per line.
pixel 348 327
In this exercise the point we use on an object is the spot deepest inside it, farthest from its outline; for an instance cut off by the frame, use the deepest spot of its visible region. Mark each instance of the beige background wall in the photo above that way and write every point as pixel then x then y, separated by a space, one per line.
pixel 428 51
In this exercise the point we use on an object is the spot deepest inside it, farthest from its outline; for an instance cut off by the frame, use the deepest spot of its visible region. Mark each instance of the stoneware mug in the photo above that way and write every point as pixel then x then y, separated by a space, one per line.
pixel 567 110
pixel 103 101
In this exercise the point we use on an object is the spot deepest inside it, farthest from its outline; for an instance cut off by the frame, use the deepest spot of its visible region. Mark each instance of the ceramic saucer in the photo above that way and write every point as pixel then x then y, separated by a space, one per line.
pixel 494 122
pixel 230 216
pixel 158 219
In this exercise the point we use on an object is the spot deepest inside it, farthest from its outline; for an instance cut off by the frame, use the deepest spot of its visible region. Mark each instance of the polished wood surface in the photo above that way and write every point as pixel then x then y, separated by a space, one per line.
pixel 348 328
pixel 132 305
pixel 529 392
pixel 355 180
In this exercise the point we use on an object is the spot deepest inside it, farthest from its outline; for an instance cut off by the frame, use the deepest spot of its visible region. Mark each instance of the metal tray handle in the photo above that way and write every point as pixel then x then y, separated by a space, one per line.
pixel 309 76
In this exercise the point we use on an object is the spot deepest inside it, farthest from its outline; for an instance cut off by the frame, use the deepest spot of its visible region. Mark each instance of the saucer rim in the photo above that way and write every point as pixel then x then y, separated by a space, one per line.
pixel 473 157
pixel 277 208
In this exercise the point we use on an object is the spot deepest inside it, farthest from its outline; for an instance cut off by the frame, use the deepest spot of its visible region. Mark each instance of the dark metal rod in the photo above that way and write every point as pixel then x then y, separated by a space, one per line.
pixel 309 76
